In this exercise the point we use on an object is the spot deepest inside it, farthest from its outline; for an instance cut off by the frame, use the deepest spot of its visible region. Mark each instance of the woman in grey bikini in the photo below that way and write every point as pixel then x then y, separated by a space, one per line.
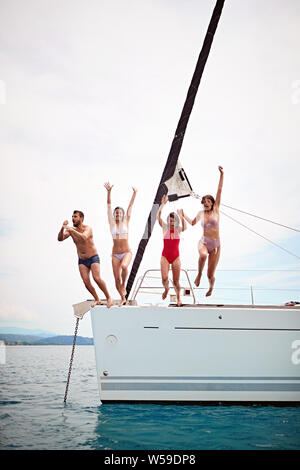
pixel 209 244
pixel 121 253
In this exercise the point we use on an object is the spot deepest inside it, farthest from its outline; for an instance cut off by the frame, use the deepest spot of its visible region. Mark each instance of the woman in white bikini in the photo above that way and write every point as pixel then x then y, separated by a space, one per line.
pixel 209 244
pixel 121 253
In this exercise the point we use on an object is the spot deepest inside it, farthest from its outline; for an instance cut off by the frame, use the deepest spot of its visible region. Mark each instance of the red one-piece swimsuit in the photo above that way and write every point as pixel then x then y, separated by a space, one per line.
pixel 171 245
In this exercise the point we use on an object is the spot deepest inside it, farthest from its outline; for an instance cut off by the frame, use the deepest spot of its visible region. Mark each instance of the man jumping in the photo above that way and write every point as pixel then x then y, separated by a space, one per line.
pixel 87 253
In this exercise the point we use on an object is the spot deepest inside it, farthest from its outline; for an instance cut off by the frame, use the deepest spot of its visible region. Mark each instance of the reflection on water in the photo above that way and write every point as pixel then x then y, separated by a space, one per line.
pixel 195 427
pixel 33 415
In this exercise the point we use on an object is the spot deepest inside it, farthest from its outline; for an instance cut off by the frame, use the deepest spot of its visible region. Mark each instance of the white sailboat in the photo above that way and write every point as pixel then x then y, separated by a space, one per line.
pixel 195 353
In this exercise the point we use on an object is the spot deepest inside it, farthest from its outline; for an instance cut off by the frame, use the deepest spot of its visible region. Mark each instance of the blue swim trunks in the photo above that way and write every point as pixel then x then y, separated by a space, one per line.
pixel 89 261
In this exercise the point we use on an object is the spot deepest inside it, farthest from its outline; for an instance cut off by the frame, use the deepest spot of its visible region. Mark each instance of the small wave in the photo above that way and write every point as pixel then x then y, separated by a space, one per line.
pixel 263 445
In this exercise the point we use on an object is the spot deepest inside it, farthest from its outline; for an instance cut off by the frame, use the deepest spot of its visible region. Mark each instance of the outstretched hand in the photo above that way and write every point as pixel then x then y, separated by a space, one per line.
pixel 221 170
pixel 108 186
pixel 134 189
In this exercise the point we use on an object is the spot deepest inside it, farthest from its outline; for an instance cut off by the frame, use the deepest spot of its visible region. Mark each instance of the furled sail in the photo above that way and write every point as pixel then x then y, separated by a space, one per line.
pixel 167 183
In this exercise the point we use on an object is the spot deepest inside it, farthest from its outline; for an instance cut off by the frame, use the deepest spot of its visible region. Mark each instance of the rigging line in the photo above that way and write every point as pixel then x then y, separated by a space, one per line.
pixel 254 270
pixel 196 196
pixel 270 241
pixel 262 218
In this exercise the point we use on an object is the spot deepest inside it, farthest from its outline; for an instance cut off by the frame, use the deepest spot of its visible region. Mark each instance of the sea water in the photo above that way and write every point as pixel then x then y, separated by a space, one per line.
pixel 33 415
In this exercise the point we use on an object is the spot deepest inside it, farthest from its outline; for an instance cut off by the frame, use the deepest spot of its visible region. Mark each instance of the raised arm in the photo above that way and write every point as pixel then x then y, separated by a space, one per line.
pixel 109 211
pixel 128 213
pixel 183 223
pixel 62 234
pixel 220 186
pixel 191 221
pixel 164 200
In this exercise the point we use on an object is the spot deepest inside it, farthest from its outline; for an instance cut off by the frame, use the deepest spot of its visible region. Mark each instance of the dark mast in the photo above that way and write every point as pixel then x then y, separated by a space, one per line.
pixel 177 141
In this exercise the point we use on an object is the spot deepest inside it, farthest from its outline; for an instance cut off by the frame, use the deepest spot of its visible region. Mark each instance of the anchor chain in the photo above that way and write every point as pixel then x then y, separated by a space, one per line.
pixel 71 360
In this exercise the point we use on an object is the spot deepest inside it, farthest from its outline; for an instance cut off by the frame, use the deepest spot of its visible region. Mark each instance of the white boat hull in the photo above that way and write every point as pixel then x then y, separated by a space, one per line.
pixel 197 354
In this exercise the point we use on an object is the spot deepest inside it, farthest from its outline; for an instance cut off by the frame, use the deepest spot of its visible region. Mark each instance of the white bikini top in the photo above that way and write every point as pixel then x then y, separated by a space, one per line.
pixel 123 231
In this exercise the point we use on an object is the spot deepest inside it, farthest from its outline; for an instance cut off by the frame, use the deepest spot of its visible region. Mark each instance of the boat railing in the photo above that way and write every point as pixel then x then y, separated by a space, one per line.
pixel 189 289
pixel 140 280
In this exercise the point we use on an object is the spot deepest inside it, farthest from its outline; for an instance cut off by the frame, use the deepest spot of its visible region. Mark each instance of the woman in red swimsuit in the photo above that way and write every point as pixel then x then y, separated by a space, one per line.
pixel 170 254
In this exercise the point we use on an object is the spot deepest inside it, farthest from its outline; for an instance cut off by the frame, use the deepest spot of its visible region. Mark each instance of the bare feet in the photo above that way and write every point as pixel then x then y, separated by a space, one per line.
pixel 108 302
pixel 197 280
pixel 122 302
pixel 165 293
pixel 211 286
pixel 179 303
pixel 96 302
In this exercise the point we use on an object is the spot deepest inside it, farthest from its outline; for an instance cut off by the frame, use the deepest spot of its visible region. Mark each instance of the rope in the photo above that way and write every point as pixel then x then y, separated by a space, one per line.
pixel 196 196
pixel 265 238
pixel 71 360
pixel 262 218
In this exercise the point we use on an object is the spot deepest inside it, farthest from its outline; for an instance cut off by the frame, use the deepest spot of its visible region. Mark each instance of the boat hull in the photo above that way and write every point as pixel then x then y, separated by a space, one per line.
pixel 197 354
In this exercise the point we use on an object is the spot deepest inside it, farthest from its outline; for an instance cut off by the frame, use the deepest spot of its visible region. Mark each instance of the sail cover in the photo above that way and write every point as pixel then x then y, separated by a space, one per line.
pixel 178 186
pixel 167 184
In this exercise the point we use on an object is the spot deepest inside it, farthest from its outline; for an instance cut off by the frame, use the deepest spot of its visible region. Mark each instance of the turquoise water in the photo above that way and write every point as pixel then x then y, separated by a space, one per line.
pixel 33 415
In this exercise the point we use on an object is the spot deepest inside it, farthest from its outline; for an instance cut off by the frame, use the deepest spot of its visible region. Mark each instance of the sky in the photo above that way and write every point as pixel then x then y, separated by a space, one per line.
pixel 92 92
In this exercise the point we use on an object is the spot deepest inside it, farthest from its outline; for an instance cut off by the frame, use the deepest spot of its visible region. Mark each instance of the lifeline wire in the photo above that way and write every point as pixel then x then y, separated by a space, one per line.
pixel 270 241
pixel 262 218
pixel 196 196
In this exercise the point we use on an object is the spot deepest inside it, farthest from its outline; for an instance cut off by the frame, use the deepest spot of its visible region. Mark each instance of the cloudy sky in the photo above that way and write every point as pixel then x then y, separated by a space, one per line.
pixel 92 92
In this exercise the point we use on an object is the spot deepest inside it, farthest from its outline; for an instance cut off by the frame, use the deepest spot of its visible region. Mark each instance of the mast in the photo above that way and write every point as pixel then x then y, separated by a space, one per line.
pixel 177 141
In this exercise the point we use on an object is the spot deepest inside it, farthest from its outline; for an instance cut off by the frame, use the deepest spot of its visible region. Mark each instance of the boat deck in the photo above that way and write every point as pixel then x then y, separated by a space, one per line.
pixel 273 307
pixel 134 303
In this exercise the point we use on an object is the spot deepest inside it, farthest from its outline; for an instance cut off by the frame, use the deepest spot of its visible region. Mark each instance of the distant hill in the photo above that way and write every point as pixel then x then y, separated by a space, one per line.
pixel 15 330
pixel 80 340
pixel 15 339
